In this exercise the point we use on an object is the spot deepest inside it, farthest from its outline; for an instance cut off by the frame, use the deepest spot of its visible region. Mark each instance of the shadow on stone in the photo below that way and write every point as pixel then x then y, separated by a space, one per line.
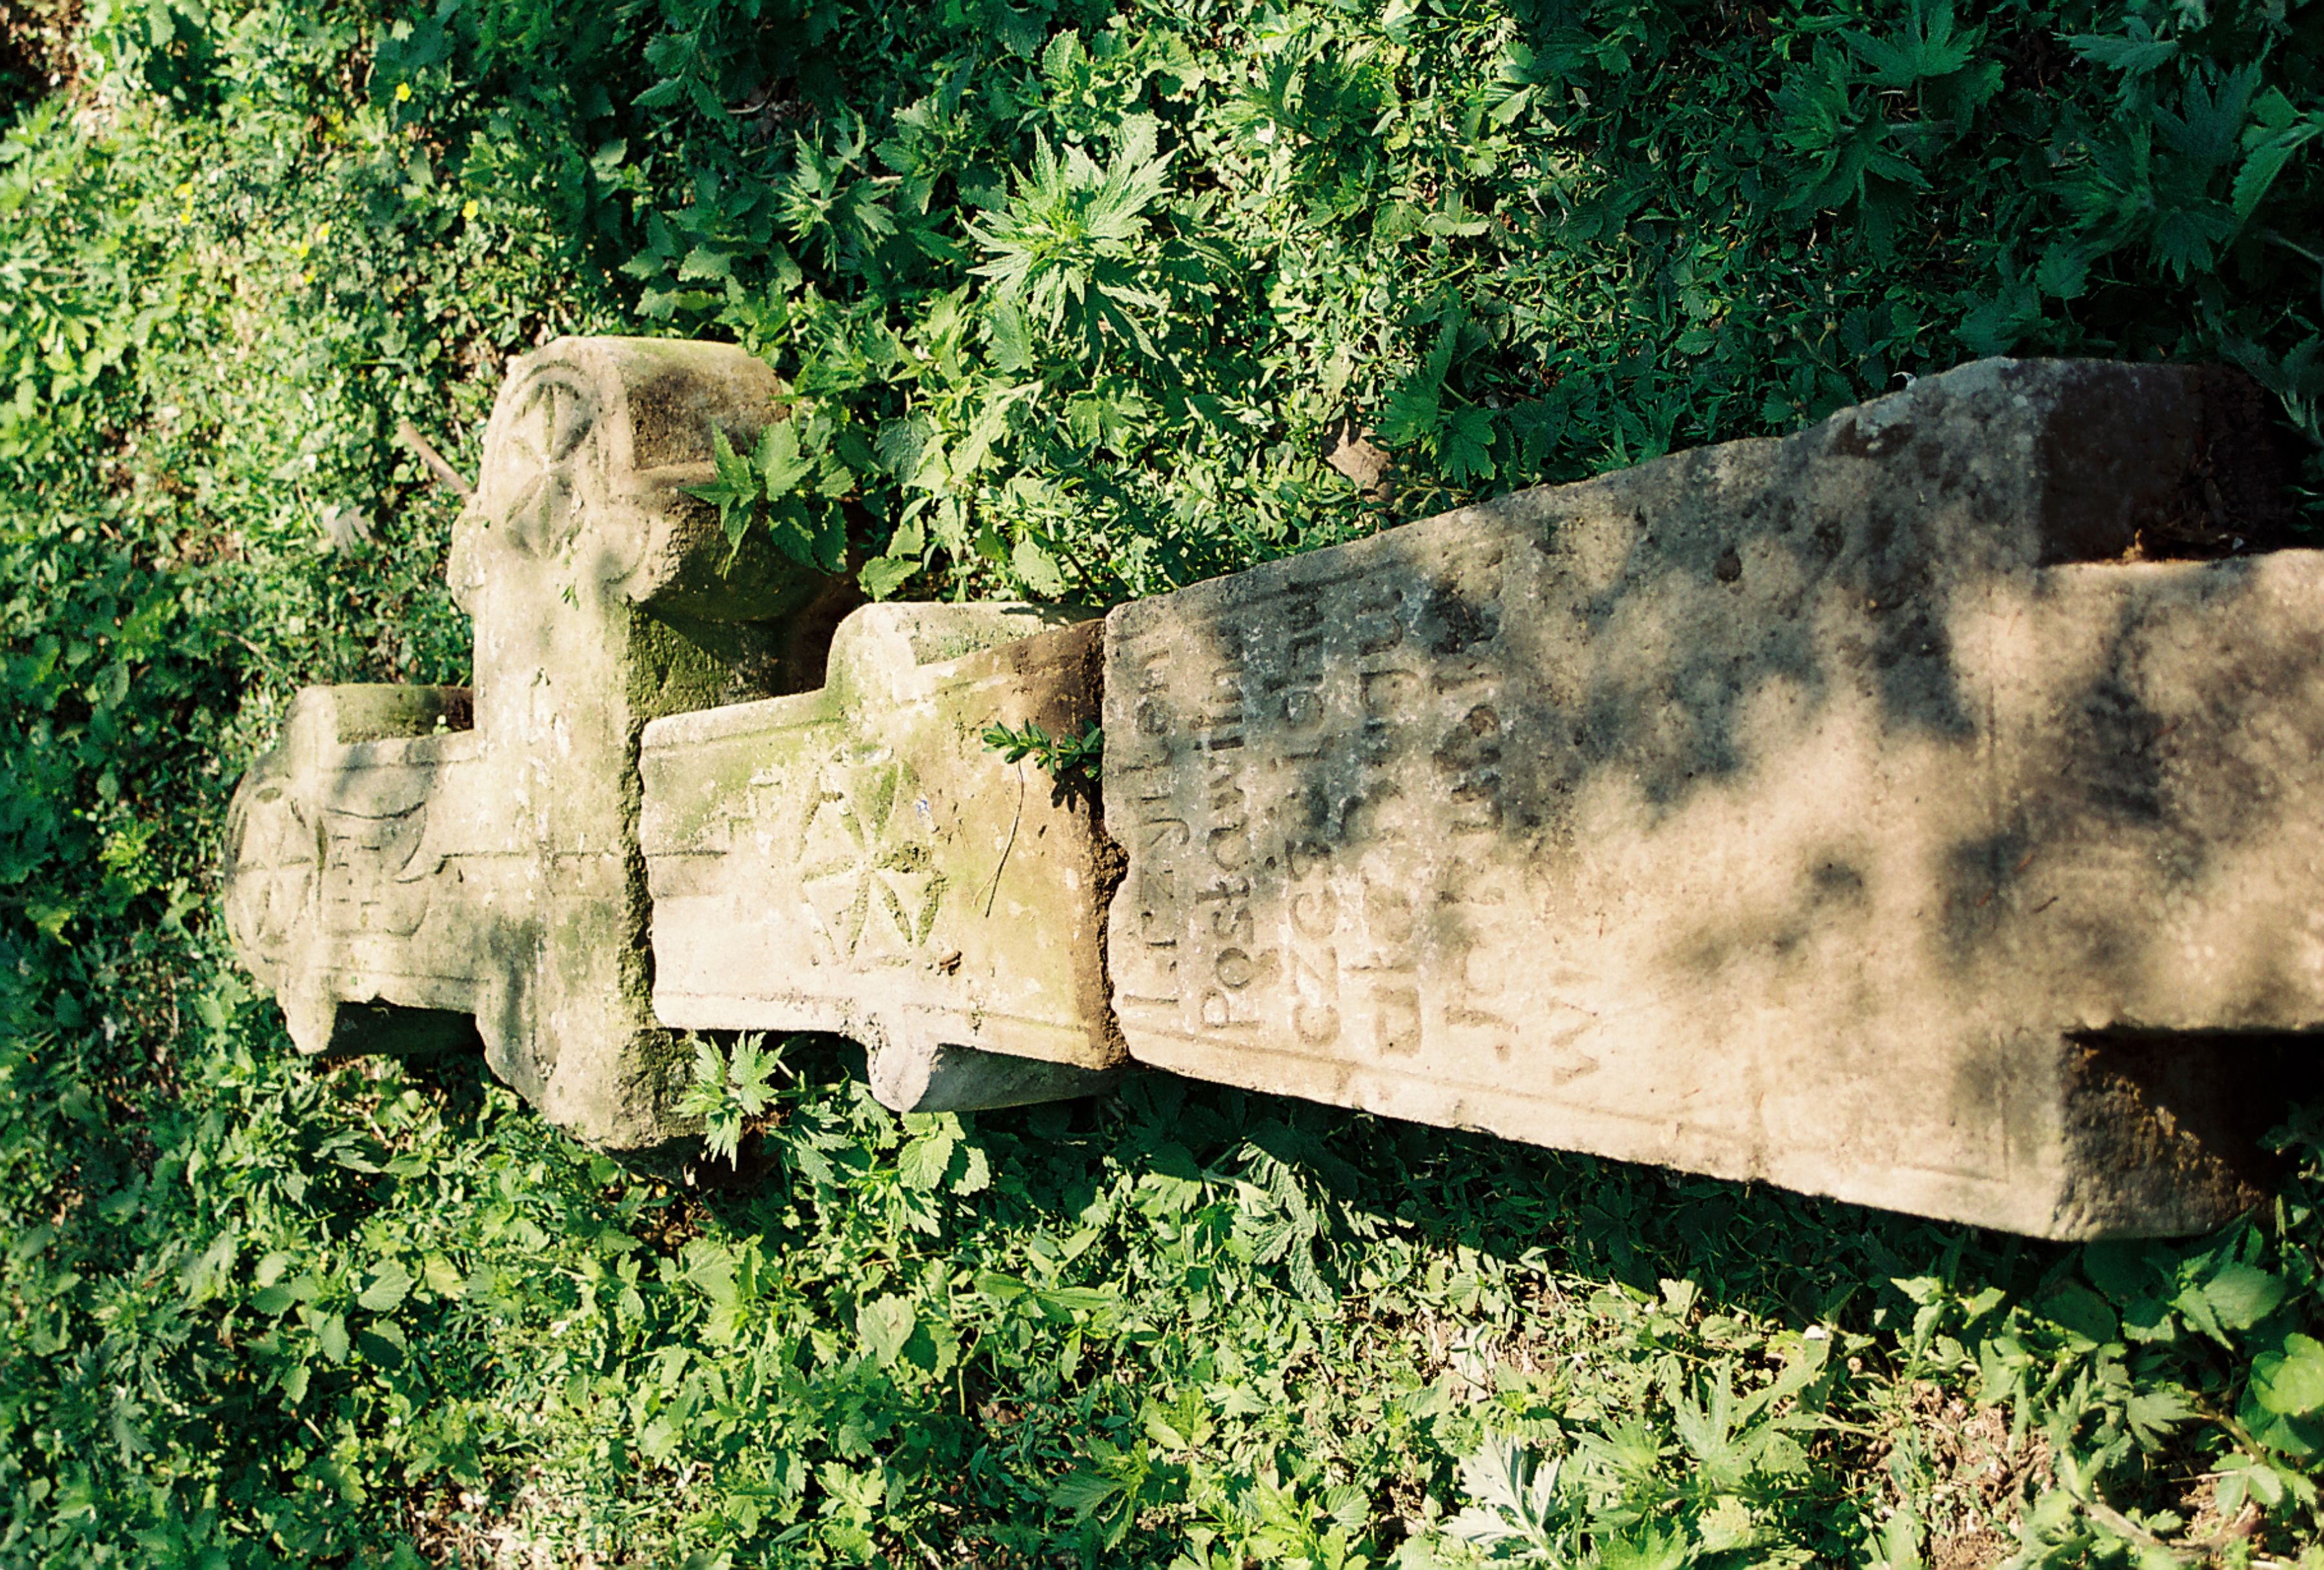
pixel 1781 810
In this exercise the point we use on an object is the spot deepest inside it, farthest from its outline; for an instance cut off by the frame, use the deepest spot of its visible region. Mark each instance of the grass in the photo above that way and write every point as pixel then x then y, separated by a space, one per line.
pixel 1073 294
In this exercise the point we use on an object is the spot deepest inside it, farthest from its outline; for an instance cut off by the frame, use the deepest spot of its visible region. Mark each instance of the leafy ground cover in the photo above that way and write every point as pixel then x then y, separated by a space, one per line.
pixel 1074 294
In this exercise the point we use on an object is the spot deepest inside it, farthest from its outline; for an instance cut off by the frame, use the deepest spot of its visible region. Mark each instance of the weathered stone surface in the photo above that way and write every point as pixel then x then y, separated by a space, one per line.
pixel 856 860
pixel 1869 812
pixel 1842 811
pixel 401 865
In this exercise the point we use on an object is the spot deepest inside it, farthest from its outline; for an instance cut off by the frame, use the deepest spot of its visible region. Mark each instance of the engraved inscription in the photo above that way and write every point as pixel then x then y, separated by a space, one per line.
pixel 1317 770
pixel 370 881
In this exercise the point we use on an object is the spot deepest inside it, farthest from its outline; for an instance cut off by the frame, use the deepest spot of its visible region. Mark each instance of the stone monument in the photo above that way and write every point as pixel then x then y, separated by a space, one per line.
pixel 1848 811
pixel 1920 810
pixel 414 867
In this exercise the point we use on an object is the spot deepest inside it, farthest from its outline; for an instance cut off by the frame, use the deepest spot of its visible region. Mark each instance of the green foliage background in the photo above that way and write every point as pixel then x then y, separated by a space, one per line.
pixel 1072 293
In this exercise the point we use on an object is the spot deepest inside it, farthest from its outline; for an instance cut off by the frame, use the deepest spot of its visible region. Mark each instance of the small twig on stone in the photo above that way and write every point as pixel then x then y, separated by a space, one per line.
pixel 408 435
pixel 992 891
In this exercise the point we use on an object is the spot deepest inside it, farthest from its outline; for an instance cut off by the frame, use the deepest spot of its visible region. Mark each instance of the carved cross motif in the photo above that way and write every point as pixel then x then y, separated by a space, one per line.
pixel 409 859
pixel 403 866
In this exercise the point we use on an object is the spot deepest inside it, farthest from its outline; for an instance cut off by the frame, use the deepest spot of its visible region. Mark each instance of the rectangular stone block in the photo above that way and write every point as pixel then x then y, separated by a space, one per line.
pixel 1850 811
pixel 857 860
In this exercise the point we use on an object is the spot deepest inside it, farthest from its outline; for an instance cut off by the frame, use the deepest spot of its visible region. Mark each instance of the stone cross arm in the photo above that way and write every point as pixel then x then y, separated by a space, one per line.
pixel 413 867
pixel 411 859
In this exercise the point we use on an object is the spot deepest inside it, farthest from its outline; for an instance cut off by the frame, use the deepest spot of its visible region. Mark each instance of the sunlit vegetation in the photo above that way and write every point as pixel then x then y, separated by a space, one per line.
pixel 1074 297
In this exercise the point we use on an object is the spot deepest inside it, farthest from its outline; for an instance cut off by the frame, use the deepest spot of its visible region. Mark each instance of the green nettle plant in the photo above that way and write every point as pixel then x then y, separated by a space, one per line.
pixel 1071 298
pixel 729 1091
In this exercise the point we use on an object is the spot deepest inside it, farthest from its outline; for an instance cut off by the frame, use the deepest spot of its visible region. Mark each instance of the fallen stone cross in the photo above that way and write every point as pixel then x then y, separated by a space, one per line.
pixel 1896 811
pixel 413 864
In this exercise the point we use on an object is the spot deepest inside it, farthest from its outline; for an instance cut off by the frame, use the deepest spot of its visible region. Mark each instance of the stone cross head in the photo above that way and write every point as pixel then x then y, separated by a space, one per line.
pixel 411 859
